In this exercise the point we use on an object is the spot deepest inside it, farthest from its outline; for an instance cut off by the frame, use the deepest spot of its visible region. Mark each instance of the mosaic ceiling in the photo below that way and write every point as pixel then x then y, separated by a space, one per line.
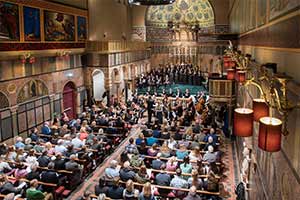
pixel 182 11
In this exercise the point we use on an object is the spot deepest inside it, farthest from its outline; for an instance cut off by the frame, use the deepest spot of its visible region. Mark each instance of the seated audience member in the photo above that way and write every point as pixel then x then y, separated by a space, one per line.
pixel 59 162
pixel 4 166
pixel 211 184
pixel 186 167
pixel 197 127
pixel 172 164
pixel 210 142
pixel 64 130
pixel 165 134
pixel 86 196
pixel 83 133
pixel 38 148
pixel 153 151
pixel 126 172
pixel 46 130
pixel 7 187
pixel 101 188
pixel 31 160
pixel 147 194
pixel 165 150
pixel 43 160
pixel 192 195
pixel 140 139
pixel 49 148
pixel 124 157
pixel 34 135
pixel 131 147
pixel 32 193
pixel 172 144
pixel 19 143
pixel 210 156
pixel 60 148
pixel 195 181
pixel 129 192
pixel 33 174
pixel 157 163
pixel 194 143
pixel 181 152
pixel 151 140
pixel 143 150
pixel 136 160
pixel 76 169
pixel 195 154
pixel 77 142
pixel 178 181
pixel 115 191
pixel 28 146
pixel 163 179
pixel 49 176
pixel 142 176
pixel 212 134
pixel 111 172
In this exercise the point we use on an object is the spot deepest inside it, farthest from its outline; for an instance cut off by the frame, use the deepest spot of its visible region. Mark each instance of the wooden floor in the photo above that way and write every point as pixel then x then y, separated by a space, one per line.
pixel 228 179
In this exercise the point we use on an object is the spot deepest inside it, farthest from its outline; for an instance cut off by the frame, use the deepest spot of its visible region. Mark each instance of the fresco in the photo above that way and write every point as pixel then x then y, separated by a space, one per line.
pixel 59 26
pixel 280 7
pixel 32 27
pixel 81 28
pixel 261 12
pixel 9 21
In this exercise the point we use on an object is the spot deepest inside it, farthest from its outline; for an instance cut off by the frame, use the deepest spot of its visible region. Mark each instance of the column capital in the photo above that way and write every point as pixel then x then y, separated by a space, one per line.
pixel 14 109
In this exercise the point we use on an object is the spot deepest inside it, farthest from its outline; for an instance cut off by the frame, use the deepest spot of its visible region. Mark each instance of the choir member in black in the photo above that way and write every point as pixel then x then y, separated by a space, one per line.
pixel 150 104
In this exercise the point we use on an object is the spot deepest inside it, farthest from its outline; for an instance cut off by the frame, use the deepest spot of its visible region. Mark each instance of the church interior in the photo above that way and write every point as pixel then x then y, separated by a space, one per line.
pixel 150 99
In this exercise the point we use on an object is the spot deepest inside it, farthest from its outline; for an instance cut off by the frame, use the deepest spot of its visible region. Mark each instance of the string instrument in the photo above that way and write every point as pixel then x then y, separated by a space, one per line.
pixel 200 105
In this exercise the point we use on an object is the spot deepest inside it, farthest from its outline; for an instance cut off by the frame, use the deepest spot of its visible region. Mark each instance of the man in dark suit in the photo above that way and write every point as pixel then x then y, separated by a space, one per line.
pixel 150 105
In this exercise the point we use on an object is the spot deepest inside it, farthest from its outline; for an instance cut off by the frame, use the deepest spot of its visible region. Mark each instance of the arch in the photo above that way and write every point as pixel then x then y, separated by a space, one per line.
pixel 4 102
pixel 69 99
pixel 98 84
pixel 193 12
pixel 32 89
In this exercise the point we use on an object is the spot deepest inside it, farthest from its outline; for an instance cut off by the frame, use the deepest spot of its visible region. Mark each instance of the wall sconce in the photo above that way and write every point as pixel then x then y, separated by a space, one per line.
pixel 230 74
pixel 270 128
pixel 243 122
pixel 27 58
pixel 63 54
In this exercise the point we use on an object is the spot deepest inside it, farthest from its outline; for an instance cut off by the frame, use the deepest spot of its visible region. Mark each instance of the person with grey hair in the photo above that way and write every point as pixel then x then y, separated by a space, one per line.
pixel 77 142
pixel 210 156
pixel 111 172
pixel 60 147
pixel 72 165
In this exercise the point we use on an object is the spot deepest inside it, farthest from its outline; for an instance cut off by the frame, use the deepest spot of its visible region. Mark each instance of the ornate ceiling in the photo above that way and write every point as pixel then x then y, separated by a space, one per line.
pixel 182 11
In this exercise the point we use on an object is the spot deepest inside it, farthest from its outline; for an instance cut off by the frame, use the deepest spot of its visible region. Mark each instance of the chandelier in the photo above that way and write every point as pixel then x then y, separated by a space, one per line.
pixel 273 95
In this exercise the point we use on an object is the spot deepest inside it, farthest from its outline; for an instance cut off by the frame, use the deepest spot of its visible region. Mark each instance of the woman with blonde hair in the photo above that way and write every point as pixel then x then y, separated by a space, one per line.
pixel 147 193
pixel 130 193
pixel 195 154
pixel 49 148
pixel 165 150
pixel 171 164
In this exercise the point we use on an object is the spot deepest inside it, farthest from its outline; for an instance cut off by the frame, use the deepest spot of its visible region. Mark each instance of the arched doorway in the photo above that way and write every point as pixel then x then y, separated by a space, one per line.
pixel 98 84
pixel 69 99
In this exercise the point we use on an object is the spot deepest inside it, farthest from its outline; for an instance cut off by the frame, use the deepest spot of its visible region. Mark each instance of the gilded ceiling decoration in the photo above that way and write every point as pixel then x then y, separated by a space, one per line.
pixel 182 11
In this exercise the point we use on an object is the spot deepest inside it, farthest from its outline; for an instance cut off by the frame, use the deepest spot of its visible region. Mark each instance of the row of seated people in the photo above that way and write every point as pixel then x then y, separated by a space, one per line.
pixel 52 160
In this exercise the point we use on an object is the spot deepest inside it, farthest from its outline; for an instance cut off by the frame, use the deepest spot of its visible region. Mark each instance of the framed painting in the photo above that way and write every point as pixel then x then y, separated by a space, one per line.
pixel 59 26
pixel 9 22
pixel 32 26
pixel 81 28
pixel 281 7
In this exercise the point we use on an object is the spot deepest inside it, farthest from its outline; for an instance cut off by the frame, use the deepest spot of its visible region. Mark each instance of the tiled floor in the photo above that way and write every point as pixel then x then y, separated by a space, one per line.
pixel 228 180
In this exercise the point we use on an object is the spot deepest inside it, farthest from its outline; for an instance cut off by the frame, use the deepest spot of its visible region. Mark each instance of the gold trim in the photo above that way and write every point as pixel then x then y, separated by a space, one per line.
pixel 42 28
pixel 21 23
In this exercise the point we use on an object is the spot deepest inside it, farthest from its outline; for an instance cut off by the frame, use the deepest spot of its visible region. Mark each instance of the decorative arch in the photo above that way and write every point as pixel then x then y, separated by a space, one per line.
pixel 98 78
pixel 32 89
pixel 193 12
pixel 4 102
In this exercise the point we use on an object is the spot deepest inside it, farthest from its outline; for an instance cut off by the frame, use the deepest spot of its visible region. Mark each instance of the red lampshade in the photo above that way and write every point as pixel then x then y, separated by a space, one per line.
pixel 260 109
pixel 243 122
pixel 231 64
pixel 241 76
pixel 230 74
pixel 226 64
pixel 269 138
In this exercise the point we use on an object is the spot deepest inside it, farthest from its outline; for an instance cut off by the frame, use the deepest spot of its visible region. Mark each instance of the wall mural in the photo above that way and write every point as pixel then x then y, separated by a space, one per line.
pixel 81 28
pixel 280 7
pixel 32 27
pixel 9 21
pixel 4 103
pixel 59 26
pixel 32 89
pixel 182 11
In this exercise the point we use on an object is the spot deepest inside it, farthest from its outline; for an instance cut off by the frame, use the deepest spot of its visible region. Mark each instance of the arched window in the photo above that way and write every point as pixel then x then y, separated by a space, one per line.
pixel 32 89
pixel 182 11
pixel 4 103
